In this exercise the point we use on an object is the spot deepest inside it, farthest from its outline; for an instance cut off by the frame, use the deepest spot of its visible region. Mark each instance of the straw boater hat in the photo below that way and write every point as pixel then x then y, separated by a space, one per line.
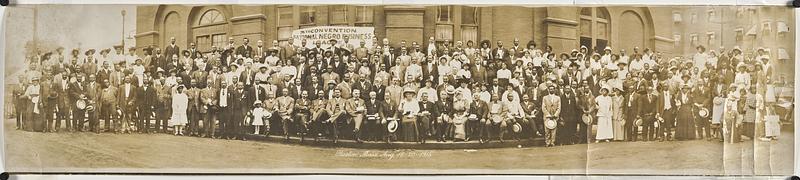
pixel 332 82
pixel 608 48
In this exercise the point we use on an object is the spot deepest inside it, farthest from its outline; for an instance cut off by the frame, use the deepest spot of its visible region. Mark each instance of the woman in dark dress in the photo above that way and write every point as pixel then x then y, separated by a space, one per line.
pixel 684 130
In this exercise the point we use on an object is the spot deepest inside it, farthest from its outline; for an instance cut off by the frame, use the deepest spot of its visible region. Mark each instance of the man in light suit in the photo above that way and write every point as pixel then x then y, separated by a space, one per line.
pixel 208 111
pixel 551 109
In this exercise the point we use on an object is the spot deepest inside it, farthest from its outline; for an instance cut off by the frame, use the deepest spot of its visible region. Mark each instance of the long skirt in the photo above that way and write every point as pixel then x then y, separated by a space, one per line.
pixel 619 129
pixel 604 128
pixel 409 129
pixel 459 129
pixel 179 119
pixel 685 130
pixel 772 126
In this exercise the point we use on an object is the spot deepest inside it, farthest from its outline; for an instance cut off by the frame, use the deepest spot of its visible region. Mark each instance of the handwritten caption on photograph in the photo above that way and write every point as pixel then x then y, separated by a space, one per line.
pixel 388 154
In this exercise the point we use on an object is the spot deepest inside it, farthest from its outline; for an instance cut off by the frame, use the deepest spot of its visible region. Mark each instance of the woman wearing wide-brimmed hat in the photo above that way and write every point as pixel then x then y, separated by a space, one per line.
pixel 409 108
pixel 684 130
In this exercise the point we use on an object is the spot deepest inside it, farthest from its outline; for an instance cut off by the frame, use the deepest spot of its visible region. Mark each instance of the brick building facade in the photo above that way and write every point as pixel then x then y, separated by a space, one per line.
pixel 563 28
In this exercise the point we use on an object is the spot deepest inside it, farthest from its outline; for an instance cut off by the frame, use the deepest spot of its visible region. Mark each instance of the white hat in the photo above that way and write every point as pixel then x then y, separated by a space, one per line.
pixel 608 48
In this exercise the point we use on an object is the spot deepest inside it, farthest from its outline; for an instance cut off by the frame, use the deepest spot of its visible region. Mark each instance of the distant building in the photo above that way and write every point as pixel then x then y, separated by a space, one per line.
pixel 750 28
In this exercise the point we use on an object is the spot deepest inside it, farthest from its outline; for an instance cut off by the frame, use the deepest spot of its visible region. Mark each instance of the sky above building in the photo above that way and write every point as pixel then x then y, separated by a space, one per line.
pixel 68 26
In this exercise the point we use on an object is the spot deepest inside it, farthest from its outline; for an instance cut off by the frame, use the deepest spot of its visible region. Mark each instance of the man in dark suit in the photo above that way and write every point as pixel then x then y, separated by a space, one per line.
pixel 104 73
pixel 373 108
pixel 480 109
pixel 159 60
pixel 701 97
pixel 64 99
pixel 193 52
pixel 77 91
pixel 126 99
pixel 362 85
pixel 245 50
pixel 172 48
pixel 238 108
pixel 501 54
pixel 92 89
pixel 666 109
pixel 427 111
pixel 570 113
pixel 647 108
pixel 255 93
pixel 208 110
pixel 146 99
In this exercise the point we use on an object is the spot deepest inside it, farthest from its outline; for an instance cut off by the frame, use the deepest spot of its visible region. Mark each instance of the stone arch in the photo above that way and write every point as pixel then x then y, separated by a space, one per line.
pixel 635 34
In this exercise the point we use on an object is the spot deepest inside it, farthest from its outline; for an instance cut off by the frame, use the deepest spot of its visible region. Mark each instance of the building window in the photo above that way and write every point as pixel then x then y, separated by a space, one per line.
pixel 444 32
pixel 469 15
pixel 285 16
pixel 203 42
pixel 338 14
pixel 469 33
pixel 677 39
pixel 693 18
pixel 307 15
pixel 595 27
pixel 211 17
pixel 676 17
pixel 694 39
pixel 711 14
pixel 711 38
pixel 766 27
pixel 364 15
pixel 739 35
pixel 444 14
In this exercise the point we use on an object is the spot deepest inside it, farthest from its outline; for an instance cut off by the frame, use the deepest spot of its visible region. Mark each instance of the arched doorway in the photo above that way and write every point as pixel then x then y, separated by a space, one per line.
pixel 595 28
pixel 172 28
pixel 633 34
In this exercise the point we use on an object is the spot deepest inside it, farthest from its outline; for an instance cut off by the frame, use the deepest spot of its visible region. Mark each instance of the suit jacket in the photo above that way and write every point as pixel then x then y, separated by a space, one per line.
pixel 365 89
pixel 75 91
pixel 551 105
pixel 430 107
pixel 251 94
pixel 245 51
pixel 170 50
pixel 209 98
pixel 647 104
pixel 127 104
pixel 146 99
pixel 64 96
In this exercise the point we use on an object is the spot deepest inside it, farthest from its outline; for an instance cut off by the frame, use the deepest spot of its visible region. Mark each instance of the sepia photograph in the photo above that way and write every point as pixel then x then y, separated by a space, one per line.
pixel 399 89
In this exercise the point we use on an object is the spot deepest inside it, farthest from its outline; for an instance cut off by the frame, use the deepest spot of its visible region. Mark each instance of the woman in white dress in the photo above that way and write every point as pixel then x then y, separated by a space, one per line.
pixel 604 115
pixel 180 103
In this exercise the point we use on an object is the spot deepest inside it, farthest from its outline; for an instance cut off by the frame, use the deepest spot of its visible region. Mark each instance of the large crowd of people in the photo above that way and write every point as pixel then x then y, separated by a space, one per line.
pixel 462 91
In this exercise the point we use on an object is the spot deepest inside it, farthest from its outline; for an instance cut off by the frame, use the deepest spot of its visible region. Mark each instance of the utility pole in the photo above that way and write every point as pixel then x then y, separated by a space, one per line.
pixel 123 31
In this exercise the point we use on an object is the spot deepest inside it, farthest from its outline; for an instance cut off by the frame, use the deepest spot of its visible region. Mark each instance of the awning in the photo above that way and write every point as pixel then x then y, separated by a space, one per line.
pixel 782 54
pixel 752 31
pixel 782 27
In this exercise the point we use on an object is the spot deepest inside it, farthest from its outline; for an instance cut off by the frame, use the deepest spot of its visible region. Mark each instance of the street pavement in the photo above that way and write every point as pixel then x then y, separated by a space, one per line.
pixel 36 152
